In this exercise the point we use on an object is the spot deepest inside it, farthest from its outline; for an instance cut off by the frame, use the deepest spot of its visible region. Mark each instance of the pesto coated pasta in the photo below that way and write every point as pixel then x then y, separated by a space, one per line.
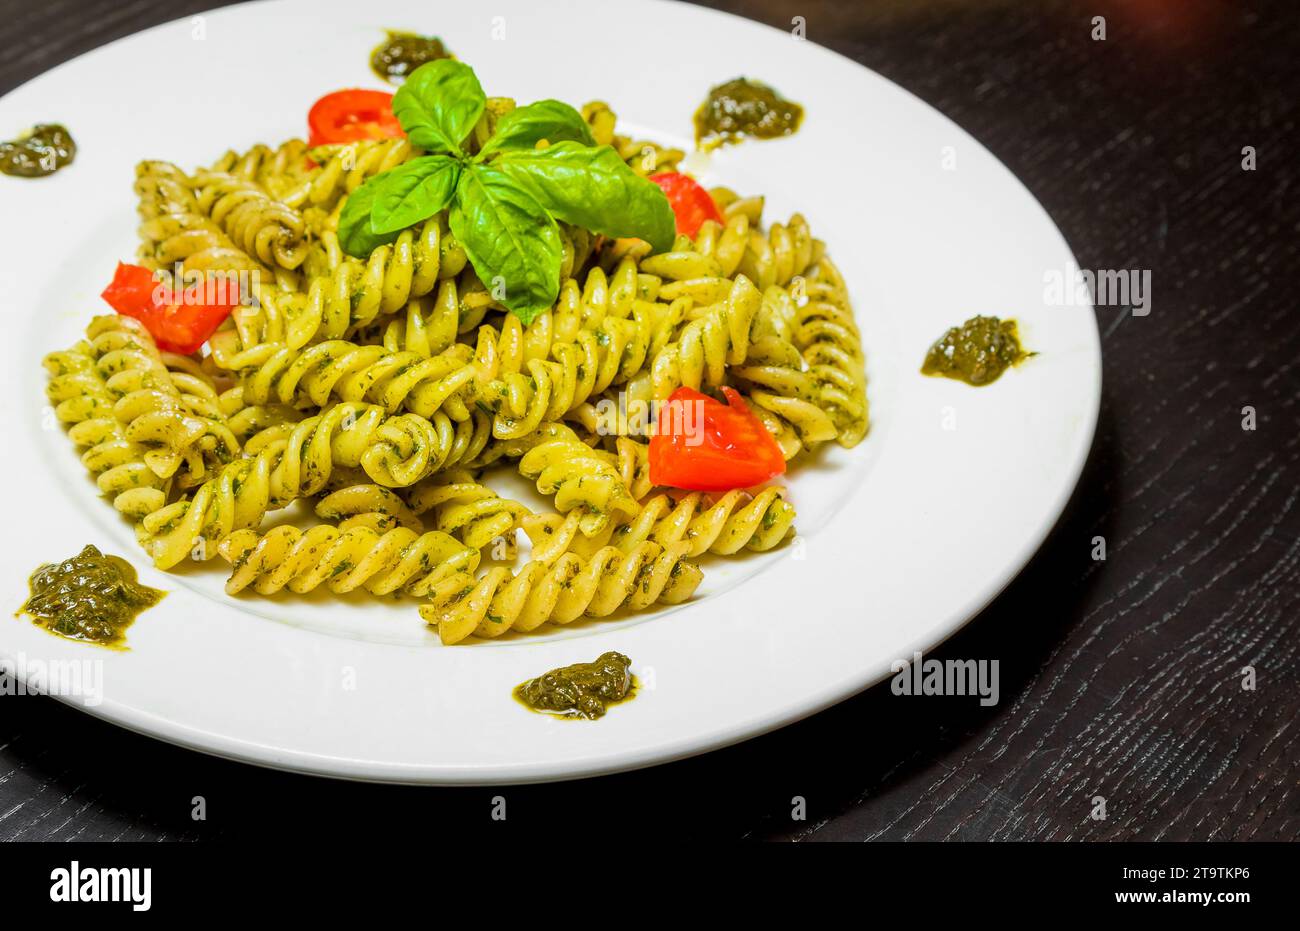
pixel 82 401
pixel 733 521
pixel 393 451
pixel 343 559
pixel 560 592
pixel 368 505
pixel 372 378
pixel 466 509
pixel 581 479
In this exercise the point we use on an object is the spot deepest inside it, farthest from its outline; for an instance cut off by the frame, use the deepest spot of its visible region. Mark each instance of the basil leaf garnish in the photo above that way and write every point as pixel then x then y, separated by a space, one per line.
pixel 524 127
pixel 355 235
pixel 512 241
pixel 439 104
pixel 595 189
pixel 505 201
pixel 413 192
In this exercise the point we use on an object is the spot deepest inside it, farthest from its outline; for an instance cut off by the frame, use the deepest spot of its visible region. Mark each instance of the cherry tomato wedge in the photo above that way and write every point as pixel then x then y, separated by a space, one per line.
pixel 178 323
pixel 131 289
pixel 691 203
pixel 704 445
pixel 352 115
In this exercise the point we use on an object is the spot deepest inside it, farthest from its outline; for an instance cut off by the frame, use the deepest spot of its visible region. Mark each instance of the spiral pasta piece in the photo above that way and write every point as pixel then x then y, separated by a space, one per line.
pixel 274 170
pixel 581 479
pixel 806 376
pixel 176 230
pixel 578 309
pixel 283 172
pixel 777 381
pixel 246 419
pixel 632 459
pixel 346 296
pixel 828 337
pixel 559 592
pixel 439 443
pixel 162 189
pixel 523 376
pixel 348 371
pixel 593 339
pixel 343 559
pixel 718 337
pixel 155 413
pixel 579 384
pixel 724 242
pixel 82 400
pixel 283 323
pixel 467 509
pixel 779 254
pixel 722 525
pixel 177 237
pixel 342 168
pixel 429 326
pixel 298 460
pixel 349 293
pixel 702 270
pixel 732 204
pixel 272 232
pixel 237 498
pixel 797 424
pixel 719 524
pixel 713 338
pixel 200 388
pixel 368 505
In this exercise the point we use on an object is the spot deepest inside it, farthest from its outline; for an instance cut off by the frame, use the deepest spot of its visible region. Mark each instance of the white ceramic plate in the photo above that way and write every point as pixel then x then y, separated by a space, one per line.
pixel 902 540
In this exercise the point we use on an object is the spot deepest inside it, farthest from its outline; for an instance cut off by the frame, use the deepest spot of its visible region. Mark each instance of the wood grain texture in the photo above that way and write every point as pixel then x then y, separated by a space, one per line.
pixel 1120 678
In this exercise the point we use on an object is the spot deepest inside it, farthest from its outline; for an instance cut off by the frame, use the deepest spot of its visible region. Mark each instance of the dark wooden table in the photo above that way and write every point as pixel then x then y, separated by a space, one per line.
pixel 1120 679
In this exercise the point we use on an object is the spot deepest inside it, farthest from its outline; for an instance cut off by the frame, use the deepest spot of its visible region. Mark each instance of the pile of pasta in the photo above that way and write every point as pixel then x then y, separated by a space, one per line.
pixel 378 390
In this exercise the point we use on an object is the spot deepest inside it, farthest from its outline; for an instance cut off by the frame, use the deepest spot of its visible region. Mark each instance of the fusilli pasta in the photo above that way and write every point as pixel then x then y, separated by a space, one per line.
pixel 559 592
pixel 344 559
pixel 378 389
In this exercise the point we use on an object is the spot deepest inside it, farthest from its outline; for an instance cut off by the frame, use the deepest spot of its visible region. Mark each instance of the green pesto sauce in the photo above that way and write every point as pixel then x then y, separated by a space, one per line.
pixel 583 690
pixel 977 352
pixel 403 52
pixel 43 151
pixel 743 108
pixel 90 597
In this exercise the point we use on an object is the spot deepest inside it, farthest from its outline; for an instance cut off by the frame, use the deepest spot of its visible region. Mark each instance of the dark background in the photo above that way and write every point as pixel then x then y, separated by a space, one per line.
pixel 1119 678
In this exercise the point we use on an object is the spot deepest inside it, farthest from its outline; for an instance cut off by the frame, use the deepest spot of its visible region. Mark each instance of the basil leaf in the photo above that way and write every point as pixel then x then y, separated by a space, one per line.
pixel 551 120
pixel 355 235
pixel 413 192
pixel 511 240
pixel 439 104
pixel 593 187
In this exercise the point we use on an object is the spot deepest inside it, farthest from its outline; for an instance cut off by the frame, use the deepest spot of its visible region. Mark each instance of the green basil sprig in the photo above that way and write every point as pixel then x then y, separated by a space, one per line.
pixel 504 201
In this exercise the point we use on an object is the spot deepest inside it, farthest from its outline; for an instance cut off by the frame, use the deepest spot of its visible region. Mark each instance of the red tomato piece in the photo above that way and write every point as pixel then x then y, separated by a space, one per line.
pixel 700 444
pixel 131 290
pixel 691 203
pixel 182 325
pixel 352 115
pixel 184 328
